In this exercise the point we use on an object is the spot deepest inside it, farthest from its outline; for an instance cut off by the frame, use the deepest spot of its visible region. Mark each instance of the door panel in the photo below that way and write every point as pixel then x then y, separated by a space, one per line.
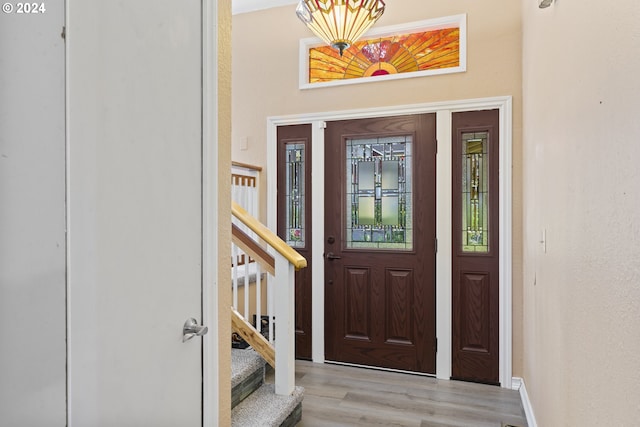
pixel 475 257
pixel 399 291
pixel 32 219
pixel 358 314
pixel 135 212
pixel 380 242
pixel 294 219
pixel 475 309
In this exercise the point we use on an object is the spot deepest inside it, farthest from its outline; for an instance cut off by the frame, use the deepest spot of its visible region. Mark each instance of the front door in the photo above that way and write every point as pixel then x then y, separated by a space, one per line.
pixel 135 213
pixel 380 242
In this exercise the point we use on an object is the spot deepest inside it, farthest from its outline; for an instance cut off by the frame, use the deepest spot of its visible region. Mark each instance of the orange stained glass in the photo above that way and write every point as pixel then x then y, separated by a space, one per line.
pixel 406 53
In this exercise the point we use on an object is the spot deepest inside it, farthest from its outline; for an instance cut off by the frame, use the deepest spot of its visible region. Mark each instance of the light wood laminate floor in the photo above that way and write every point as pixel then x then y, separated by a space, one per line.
pixel 338 395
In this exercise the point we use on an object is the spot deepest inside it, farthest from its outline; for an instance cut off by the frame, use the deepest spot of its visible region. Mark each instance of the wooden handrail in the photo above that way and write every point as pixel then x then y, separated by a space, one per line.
pixel 297 260
pixel 247 166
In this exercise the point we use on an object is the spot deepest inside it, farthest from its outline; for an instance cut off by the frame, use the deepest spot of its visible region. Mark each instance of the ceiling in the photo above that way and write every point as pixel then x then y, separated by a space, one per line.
pixel 243 6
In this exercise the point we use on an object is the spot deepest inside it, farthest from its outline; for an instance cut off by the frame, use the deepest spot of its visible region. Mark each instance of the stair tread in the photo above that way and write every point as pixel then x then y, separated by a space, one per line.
pixel 244 362
pixel 264 408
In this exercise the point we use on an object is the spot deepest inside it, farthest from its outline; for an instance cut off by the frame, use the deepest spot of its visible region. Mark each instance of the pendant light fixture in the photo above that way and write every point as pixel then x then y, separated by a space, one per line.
pixel 339 23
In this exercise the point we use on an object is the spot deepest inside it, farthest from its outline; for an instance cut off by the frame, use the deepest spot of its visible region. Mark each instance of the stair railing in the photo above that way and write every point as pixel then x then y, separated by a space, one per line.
pixel 245 179
pixel 245 186
pixel 254 241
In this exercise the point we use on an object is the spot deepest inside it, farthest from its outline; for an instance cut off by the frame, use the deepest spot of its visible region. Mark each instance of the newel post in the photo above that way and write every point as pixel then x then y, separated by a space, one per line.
pixel 284 310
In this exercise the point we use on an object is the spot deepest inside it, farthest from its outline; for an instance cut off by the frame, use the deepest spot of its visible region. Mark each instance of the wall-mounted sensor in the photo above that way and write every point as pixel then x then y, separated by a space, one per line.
pixel 544 3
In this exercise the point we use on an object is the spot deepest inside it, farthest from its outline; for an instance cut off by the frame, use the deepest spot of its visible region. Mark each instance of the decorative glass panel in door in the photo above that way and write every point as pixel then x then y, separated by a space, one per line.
pixel 379 193
pixel 475 192
pixel 295 197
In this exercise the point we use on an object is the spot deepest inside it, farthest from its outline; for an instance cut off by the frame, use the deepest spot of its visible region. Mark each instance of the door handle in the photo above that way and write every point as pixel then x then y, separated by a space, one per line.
pixel 192 329
pixel 330 256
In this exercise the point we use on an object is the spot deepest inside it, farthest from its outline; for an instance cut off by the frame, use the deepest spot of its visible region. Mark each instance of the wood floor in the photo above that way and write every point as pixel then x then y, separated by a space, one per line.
pixel 338 395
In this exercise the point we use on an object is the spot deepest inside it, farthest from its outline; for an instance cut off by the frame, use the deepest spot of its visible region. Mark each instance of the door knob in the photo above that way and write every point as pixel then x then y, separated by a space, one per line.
pixel 192 329
pixel 331 256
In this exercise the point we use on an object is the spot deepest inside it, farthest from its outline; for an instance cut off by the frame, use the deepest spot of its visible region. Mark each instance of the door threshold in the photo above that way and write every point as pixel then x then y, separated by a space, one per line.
pixel 379 368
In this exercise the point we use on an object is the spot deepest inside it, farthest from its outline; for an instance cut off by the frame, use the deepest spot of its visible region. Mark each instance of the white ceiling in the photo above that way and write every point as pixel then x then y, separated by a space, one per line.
pixel 243 6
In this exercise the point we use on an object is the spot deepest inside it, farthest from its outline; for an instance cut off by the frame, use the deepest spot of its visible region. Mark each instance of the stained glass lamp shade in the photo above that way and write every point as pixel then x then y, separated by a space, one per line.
pixel 339 23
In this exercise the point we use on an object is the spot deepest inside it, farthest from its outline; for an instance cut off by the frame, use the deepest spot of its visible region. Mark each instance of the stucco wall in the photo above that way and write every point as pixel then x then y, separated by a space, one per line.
pixel 581 296
pixel 265 83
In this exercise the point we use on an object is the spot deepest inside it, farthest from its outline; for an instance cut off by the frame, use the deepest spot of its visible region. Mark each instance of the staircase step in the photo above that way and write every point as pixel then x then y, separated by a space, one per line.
pixel 264 408
pixel 247 374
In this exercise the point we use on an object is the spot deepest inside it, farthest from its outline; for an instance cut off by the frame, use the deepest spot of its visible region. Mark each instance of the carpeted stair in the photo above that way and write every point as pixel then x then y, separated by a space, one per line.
pixel 254 402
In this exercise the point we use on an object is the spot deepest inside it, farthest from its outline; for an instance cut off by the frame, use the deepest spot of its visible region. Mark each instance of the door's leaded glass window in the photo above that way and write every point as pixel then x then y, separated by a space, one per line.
pixel 295 167
pixel 475 192
pixel 379 193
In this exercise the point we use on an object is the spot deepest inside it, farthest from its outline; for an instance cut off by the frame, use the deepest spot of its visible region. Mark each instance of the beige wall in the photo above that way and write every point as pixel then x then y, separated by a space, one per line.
pixel 265 83
pixel 581 176
pixel 265 67
pixel 224 209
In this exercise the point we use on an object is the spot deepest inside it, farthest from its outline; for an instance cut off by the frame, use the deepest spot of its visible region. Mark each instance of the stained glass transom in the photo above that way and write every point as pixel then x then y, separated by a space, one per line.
pixel 397 54
pixel 475 192
pixel 295 197
pixel 379 193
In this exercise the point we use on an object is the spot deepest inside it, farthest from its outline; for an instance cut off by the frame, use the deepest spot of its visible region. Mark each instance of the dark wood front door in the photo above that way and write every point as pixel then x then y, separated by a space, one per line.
pixel 380 242
pixel 475 253
pixel 294 219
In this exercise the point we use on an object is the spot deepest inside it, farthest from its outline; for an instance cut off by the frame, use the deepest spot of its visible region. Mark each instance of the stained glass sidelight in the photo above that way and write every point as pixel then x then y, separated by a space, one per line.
pixel 475 192
pixel 295 170
pixel 379 193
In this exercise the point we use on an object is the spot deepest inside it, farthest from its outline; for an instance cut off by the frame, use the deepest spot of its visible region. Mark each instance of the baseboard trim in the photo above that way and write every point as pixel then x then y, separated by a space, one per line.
pixel 518 384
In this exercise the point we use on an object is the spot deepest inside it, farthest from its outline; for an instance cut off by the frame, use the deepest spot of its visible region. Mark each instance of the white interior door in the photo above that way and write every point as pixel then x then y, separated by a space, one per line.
pixel 134 212
pixel 32 218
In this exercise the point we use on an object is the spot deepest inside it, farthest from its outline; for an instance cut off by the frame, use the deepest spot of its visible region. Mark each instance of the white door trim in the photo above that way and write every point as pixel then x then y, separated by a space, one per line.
pixel 443 202
pixel 210 218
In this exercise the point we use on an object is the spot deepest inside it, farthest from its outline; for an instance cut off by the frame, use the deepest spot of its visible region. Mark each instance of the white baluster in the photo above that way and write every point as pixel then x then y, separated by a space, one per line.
pixel 270 306
pixel 259 300
pixel 247 287
pixel 234 251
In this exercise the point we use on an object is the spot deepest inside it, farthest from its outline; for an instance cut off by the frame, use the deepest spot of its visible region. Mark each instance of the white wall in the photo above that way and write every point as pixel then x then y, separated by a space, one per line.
pixel 32 219
pixel 581 185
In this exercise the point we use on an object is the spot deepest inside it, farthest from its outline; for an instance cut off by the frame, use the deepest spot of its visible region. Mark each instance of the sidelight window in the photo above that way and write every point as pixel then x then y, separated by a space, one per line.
pixel 295 197
pixel 475 192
